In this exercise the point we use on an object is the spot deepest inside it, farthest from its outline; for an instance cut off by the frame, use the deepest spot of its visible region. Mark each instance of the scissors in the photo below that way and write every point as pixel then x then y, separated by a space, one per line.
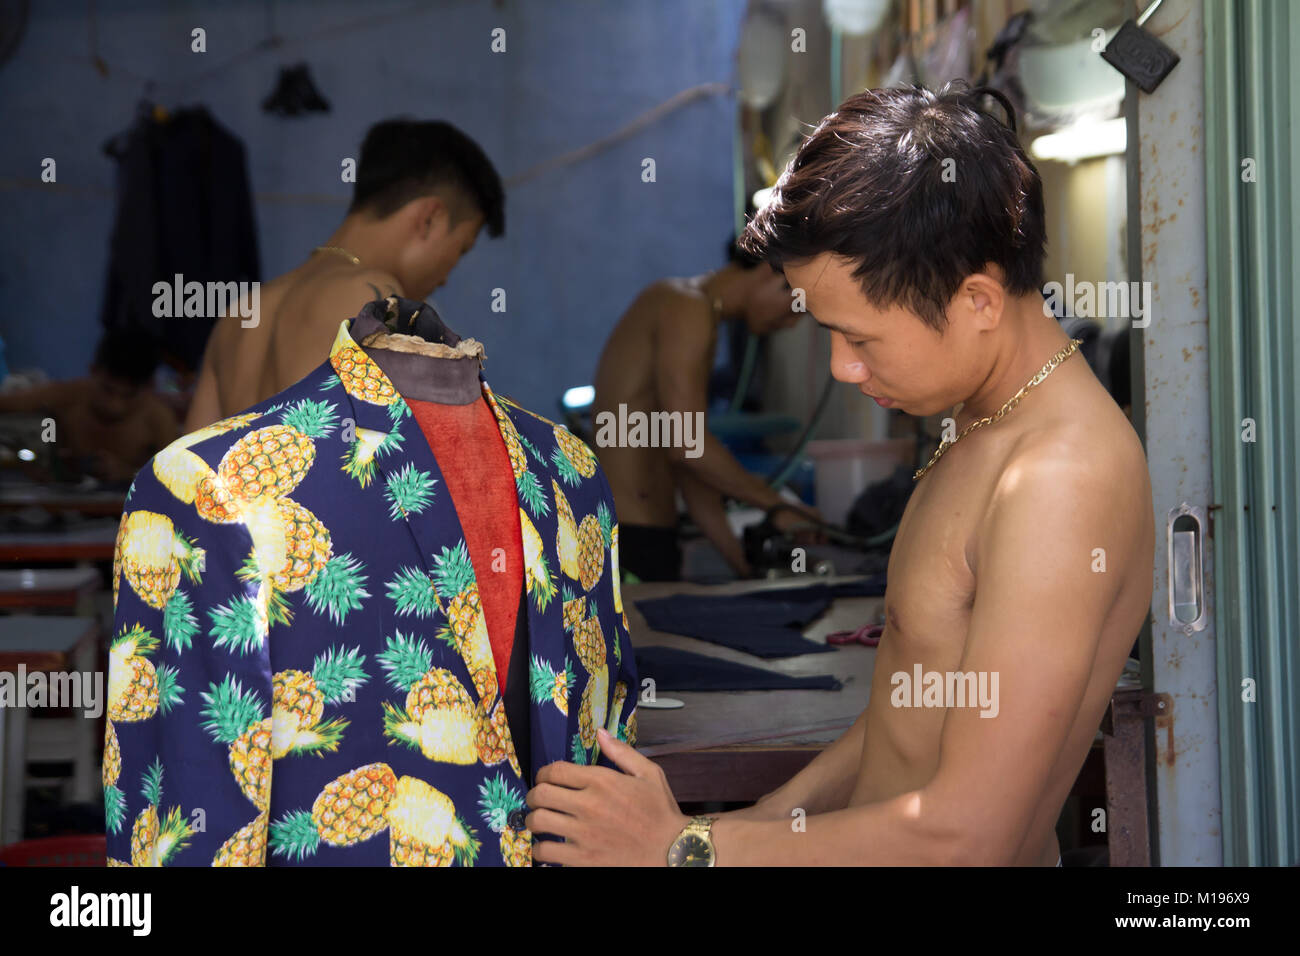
pixel 867 635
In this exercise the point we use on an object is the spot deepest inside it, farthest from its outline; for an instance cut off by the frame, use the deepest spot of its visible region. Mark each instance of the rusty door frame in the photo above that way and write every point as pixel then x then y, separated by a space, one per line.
pixel 1167 248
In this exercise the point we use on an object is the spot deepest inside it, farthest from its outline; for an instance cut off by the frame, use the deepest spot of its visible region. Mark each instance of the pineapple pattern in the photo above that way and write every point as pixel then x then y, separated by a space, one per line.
pixel 299 645
pixel 465 630
pixel 497 802
pixel 423 825
pixel 299 699
pixel 155 838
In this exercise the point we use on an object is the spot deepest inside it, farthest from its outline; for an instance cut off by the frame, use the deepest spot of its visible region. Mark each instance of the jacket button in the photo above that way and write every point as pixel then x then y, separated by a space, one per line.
pixel 516 819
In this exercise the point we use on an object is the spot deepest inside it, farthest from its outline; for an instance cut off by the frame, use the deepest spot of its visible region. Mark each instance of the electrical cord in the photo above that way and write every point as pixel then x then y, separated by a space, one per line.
pixel 782 473
pixel 832 531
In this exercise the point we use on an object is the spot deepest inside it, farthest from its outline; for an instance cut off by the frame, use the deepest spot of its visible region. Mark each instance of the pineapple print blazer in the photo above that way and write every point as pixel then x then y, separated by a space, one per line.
pixel 299 669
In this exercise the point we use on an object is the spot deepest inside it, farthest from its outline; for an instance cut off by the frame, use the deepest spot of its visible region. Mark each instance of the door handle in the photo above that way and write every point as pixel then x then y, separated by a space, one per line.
pixel 1186 542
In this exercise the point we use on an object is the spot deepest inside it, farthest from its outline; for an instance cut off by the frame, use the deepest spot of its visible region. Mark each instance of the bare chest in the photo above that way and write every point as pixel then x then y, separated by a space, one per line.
pixel 931 585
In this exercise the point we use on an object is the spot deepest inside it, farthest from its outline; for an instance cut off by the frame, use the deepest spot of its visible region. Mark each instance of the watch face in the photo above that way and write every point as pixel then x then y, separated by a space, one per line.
pixel 691 850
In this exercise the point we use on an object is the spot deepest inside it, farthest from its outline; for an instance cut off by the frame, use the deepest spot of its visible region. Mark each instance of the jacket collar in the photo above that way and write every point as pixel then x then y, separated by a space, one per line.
pixel 445 369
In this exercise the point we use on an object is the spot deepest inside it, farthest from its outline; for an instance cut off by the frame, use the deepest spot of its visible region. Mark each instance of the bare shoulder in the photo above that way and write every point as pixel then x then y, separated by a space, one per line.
pixel 342 296
pixel 1075 482
pixel 223 338
pixel 678 309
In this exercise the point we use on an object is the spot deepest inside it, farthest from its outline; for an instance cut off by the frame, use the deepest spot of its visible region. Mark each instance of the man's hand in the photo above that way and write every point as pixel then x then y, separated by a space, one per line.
pixel 796 520
pixel 606 818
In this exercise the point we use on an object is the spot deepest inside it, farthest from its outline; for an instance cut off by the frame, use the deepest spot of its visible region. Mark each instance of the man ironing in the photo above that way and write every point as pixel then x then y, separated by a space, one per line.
pixel 658 358
pixel 914 223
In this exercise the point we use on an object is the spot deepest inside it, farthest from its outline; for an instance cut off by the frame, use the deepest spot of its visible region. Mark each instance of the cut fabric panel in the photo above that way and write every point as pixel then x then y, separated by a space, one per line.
pixel 767 624
pixel 674 669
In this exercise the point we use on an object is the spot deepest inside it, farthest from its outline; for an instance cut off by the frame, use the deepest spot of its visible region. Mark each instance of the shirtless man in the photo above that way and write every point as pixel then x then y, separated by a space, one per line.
pixel 109 423
pixel 658 359
pixel 1025 552
pixel 423 191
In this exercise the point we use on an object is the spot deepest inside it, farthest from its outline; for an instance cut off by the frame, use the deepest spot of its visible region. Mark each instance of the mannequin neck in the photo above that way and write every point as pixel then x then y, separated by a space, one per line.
pixel 423 358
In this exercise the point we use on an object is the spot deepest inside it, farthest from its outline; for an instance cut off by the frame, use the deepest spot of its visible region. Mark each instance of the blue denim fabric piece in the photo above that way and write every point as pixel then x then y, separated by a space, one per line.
pixel 767 624
pixel 674 669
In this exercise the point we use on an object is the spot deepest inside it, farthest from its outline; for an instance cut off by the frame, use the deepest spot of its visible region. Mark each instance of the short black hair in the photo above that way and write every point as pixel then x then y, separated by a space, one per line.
pixel 404 159
pixel 921 189
pixel 741 257
pixel 127 354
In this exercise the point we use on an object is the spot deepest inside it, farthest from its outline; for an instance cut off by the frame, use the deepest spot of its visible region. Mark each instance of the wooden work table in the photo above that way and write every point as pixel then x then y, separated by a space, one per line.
pixel 738 745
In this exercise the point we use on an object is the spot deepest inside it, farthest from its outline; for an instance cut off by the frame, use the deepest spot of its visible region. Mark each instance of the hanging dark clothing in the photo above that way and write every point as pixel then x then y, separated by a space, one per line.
pixel 183 207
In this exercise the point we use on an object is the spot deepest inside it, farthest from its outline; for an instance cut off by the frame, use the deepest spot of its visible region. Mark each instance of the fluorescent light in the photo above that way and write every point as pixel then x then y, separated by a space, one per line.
pixel 580 396
pixel 1082 141
pixel 762 197
pixel 855 17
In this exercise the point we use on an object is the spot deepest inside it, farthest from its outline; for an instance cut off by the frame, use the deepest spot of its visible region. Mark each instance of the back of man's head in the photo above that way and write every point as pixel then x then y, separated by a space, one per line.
pixel 404 159
pixel 128 356
pixel 920 189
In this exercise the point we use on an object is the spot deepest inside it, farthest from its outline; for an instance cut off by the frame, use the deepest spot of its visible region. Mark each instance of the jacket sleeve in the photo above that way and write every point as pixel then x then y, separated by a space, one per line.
pixel 624 689
pixel 187 751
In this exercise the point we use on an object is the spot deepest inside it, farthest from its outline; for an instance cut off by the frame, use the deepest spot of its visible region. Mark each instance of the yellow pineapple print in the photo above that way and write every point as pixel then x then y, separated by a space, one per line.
pixel 466 630
pixel 237 718
pixel 544 682
pixel 298 700
pixel 351 809
pixel 498 803
pixel 537 573
pixel 440 719
pixel 153 555
pixel 566 542
pixel 615 574
pixel 290 547
pixel 591 552
pixel 361 377
pixel 425 829
pixel 572 456
pixel 589 645
pixel 246 847
pixel 155 841
pixel 136 689
pixel 494 741
pixel 268 462
pixel 180 470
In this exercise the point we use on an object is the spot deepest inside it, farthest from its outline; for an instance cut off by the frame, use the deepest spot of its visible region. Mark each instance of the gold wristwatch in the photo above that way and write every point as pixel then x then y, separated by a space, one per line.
pixel 694 845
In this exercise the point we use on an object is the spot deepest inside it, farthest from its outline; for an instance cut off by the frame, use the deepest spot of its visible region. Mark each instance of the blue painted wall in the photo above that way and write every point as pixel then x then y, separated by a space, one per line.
pixel 580 241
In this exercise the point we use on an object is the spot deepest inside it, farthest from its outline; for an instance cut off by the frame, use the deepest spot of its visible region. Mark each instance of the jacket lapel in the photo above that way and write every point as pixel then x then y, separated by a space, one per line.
pixel 548 648
pixel 387 442
pixel 388 446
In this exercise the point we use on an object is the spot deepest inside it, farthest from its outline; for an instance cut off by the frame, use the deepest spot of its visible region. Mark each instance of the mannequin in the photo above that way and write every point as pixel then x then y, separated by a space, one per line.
pixel 353 621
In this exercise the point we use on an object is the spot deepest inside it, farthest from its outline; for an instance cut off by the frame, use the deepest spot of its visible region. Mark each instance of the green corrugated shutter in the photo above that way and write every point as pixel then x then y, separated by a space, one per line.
pixel 1252 112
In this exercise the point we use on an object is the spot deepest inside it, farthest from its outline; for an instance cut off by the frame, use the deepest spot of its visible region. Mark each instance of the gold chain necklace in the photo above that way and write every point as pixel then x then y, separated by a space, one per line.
pixel 340 251
pixel 1012 402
